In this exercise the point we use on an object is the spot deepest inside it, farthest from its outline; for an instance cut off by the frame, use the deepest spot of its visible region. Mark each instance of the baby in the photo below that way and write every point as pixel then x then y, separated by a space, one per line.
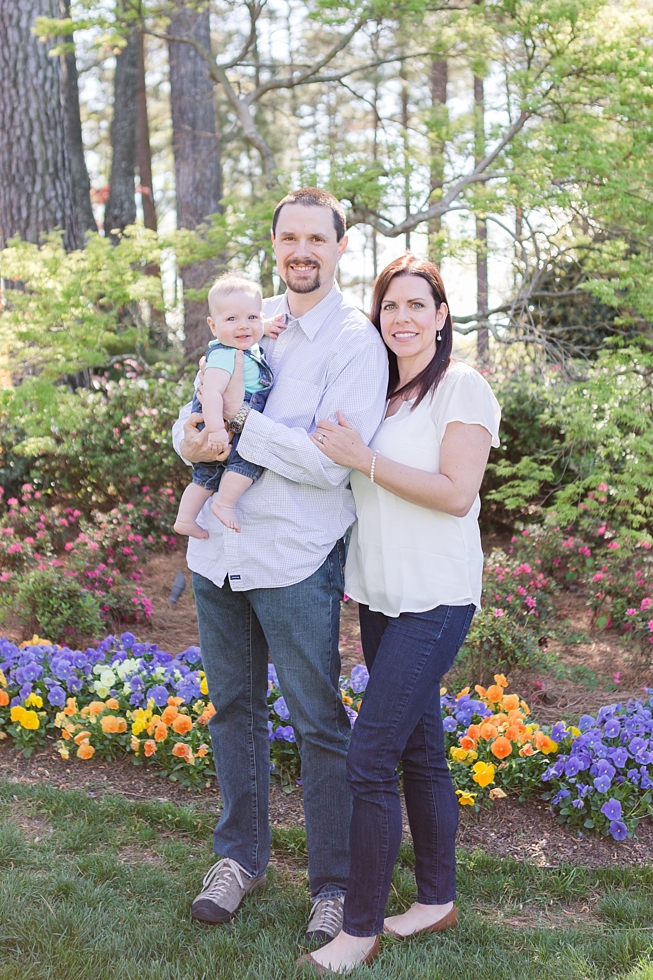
pixel 236 322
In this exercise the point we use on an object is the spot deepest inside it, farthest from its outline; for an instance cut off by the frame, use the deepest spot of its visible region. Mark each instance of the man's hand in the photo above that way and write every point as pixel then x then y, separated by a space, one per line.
pixel 194 446
pixel 234 394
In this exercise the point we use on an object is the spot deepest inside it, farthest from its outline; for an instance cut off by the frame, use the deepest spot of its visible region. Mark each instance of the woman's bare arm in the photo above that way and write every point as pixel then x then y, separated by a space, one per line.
pixel 463 457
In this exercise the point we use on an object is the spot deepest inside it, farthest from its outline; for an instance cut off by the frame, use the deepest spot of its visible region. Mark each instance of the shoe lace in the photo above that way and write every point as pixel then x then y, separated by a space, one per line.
pixel 218 878
pixel 326 914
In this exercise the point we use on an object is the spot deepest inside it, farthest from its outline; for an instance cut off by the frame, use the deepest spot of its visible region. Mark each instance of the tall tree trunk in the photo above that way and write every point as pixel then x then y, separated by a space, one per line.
pixel 81 182
pixel 196 146
pixel 36 185
pixel 121 206
pixel 158 329
pixel 439 80
pixel 143 150
pixel 406 148
pixel 482 335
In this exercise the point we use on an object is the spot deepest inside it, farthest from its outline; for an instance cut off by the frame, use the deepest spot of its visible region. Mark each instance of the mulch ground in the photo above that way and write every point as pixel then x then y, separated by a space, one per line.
pixel 524 831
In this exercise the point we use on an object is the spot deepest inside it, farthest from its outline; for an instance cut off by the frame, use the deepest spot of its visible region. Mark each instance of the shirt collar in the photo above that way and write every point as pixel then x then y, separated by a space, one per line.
pixel 312 321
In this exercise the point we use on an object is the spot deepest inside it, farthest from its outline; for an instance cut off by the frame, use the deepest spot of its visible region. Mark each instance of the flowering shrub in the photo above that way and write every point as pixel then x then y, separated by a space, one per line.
pixel 69 572
pixel 603 776
pixel 617 572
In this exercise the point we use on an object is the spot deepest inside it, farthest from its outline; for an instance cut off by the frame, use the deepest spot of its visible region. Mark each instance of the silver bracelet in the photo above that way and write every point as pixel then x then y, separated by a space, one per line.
pixel 376 453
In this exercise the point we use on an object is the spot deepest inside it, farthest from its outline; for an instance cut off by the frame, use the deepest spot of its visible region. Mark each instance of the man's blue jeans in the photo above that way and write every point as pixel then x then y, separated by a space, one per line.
pixel 400 721
pixel 300 626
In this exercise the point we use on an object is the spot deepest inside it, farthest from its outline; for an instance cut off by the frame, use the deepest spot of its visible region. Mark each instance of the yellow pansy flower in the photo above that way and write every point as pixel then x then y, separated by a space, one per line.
pixel 483 773
pixel 465 798
pixel 34 701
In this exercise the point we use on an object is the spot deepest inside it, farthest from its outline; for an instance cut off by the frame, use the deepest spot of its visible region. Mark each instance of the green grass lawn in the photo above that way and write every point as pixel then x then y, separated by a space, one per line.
pixel 100 889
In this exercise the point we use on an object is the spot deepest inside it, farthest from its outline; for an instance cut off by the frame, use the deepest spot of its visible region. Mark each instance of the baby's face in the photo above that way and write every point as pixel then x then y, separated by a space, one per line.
pixel 236 319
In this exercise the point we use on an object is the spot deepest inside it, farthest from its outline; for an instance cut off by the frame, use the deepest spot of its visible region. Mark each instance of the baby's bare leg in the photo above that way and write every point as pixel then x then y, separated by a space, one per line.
pixel 193 499
pixel 232 487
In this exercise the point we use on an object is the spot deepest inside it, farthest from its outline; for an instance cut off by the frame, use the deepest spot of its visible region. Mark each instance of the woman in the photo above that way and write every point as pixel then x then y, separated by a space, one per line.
pixel 415 566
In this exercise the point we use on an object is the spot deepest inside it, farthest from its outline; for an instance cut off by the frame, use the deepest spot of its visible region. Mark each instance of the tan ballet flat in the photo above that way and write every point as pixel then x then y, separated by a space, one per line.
pixel 307 960
pixel 446 922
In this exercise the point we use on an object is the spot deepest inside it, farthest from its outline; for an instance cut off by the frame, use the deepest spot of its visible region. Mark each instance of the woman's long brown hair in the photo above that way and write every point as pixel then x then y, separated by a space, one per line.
pixel 430 377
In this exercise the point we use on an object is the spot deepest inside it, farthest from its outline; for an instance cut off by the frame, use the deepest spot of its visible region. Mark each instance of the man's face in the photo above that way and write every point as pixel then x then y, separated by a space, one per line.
pixel 305 246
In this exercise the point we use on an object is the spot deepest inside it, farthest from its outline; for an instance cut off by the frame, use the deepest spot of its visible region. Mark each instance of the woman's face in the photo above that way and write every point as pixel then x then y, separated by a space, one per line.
pixel 409 319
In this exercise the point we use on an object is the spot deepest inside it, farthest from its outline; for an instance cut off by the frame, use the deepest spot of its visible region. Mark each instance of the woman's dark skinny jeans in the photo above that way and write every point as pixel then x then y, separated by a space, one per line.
pixel 400 722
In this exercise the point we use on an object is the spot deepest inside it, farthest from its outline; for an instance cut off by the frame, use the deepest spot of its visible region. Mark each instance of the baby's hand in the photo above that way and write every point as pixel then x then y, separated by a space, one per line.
pixel 218 441
pixel 275 326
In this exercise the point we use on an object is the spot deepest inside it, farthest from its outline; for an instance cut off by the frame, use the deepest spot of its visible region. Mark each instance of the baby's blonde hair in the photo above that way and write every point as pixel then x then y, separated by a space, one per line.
pixel 231 282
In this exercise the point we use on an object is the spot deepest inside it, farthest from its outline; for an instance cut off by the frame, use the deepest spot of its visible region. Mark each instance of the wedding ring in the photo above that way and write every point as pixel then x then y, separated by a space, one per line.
pixel 320 438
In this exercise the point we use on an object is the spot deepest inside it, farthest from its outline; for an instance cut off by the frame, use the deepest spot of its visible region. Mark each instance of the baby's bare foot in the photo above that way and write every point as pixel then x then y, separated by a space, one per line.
pixel 191 529
pixel 227 515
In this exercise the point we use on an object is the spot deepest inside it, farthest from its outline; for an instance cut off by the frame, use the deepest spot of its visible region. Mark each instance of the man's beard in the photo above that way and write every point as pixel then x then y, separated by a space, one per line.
pixel 302 285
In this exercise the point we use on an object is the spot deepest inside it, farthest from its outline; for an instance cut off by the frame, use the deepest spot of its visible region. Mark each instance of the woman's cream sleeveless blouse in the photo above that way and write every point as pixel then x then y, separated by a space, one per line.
pixel 407 558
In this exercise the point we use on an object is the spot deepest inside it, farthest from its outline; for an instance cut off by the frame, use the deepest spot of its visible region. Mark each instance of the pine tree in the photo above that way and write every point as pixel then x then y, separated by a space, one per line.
pixel 36 182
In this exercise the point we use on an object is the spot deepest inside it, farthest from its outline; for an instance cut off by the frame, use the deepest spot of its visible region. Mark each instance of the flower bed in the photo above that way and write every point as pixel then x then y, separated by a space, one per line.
pixel 129 697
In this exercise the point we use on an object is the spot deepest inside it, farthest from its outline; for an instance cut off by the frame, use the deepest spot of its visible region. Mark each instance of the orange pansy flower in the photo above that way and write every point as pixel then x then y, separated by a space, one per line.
pixel 510 702
pixel 494 693
pixel 468 743
pixel 480 690
pixel 202 751
pixel 4 699
pixel 182 724
pixel 85 751
pixel 169 714
pixel 501 747
pixel 160 732
pixel 150 747
pixel 488 731
pixel 526 750
pixel 81 737
pixel 512 733
pixel 71 706
pixel 112 704
pixel 175 701
pixel 500 679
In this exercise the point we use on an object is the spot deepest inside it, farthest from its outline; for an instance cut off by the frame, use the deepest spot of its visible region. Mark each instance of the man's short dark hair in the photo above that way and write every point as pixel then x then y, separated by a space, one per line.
pixel 318 198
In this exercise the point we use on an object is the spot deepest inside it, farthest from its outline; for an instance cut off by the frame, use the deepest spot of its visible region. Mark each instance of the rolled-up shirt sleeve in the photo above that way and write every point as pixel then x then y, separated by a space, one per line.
pixel 358 390
pixel 178 430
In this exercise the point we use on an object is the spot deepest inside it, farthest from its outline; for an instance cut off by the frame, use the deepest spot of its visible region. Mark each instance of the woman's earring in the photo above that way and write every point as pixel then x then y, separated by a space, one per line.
pixel 438 337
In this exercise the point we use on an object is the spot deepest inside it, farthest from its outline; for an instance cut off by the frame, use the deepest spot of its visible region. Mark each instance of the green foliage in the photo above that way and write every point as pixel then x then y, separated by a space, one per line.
pixel 92 444
pixel 52 604
pixel 597 432
pixel 497 644
pixel 73 311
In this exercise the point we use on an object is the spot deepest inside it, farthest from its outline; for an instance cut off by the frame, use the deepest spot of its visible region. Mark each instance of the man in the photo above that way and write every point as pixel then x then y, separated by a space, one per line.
pixel 278 582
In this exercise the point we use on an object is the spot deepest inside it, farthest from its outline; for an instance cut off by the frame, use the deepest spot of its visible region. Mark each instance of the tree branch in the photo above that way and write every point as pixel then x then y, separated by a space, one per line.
pixel 480 173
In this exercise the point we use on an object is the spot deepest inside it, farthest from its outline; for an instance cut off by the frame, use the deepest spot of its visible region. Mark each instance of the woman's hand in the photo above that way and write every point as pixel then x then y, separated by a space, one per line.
pixel 343 444
pixel 195 447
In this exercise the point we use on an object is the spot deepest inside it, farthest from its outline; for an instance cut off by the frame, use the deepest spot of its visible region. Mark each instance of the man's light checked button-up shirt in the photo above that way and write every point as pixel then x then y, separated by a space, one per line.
pixel 330 359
